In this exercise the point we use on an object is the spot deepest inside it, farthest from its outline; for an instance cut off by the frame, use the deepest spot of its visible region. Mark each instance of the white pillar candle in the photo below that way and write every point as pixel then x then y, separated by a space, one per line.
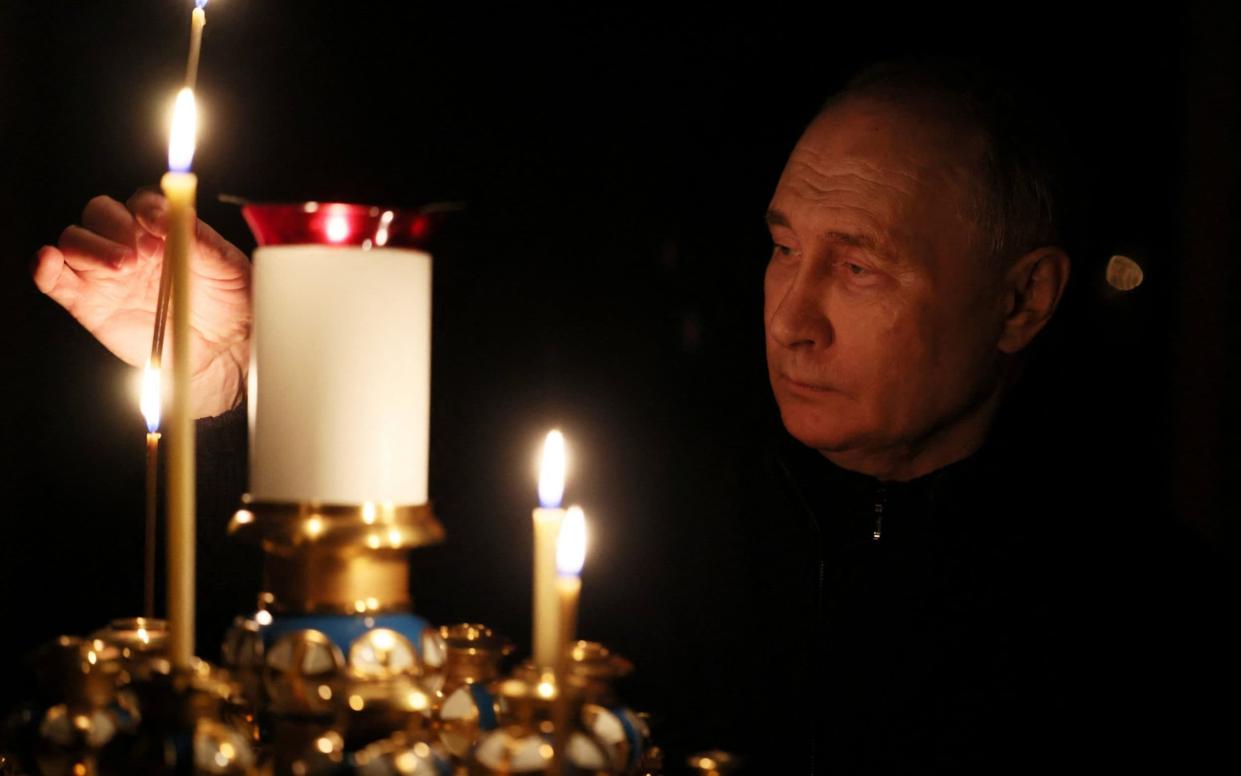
pixel 340 384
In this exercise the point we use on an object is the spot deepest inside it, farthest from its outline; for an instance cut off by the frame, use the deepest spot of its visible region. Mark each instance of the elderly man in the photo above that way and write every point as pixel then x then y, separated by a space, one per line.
pixel 915 256
pixel 920 599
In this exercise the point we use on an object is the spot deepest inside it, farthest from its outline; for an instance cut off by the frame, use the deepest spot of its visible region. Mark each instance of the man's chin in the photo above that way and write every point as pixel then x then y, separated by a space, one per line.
pixel 826 433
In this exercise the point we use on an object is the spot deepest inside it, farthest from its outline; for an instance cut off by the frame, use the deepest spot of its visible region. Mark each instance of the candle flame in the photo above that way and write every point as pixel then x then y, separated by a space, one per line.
pixel 150 401
pixel 571 544
pixel 200 4
pixel 551 473
pixel 184 128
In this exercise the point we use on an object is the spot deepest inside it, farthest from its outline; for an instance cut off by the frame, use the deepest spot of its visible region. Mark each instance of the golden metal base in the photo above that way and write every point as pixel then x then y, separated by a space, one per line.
pixel 338 580
pixel 285 527
pixel 336 558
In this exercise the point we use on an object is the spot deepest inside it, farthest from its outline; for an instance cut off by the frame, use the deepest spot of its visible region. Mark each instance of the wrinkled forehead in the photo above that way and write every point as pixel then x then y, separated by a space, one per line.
pixel 901 173
pixel 907 147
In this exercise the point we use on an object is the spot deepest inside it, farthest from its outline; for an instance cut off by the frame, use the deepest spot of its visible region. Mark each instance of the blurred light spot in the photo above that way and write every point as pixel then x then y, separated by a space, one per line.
pixel 382 639
pixel 337 228
pixel 406 762
pixel 1123 273
pixel 356 703
pixel 263 617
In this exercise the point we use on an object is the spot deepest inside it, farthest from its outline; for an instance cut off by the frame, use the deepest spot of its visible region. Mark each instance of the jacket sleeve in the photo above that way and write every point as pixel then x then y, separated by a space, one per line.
pixel 229 572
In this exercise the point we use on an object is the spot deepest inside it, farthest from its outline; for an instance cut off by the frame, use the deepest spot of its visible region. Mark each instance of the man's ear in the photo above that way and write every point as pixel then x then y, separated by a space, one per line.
pixel 1033 286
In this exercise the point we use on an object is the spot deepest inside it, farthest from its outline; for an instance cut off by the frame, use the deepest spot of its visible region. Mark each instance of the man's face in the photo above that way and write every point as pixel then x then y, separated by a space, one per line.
pixel 882 317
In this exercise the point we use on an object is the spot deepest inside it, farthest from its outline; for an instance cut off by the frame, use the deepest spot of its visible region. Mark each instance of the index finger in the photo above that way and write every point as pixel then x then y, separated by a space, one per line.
pixel 149 208
pixel 108 218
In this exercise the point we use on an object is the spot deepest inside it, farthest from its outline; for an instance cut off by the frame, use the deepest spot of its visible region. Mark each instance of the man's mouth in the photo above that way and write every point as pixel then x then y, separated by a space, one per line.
pixel 806 387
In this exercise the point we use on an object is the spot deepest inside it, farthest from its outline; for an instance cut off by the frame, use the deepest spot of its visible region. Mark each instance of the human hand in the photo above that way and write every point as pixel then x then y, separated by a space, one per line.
pixel 106 274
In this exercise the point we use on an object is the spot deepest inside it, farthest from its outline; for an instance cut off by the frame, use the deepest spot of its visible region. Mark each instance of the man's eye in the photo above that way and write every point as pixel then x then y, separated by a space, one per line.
pixel 781 250
pixel 855 269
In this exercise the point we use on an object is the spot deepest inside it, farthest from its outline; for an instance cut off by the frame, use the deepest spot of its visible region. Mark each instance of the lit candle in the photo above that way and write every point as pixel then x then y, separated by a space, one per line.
pixel 198 20
pixel 547 520
pixel 179 186
pixel 150 411
pixel 570 555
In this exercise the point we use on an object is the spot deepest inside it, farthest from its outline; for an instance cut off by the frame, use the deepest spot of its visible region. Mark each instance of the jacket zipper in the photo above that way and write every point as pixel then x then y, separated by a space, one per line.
pixel 818 600
pixel 881 501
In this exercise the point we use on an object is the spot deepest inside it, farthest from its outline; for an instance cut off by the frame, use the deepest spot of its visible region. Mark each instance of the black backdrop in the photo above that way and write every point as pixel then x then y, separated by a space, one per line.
pixel 605 276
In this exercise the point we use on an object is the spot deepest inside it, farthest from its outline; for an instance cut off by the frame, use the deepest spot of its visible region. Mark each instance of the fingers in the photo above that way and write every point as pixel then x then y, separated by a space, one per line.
pixel 108 218
pixel 86 251
pixel 150 209
pixel 221 258
pixel 53 276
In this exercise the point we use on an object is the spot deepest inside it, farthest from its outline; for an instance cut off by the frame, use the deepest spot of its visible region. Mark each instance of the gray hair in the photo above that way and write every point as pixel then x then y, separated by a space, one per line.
pixel 1016 204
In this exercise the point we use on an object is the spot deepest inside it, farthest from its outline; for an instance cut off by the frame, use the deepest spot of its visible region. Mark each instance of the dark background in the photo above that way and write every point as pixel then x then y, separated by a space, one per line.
pixel 606 275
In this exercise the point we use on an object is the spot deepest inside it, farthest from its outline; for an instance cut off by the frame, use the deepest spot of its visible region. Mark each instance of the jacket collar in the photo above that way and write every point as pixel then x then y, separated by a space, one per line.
pixel 956 497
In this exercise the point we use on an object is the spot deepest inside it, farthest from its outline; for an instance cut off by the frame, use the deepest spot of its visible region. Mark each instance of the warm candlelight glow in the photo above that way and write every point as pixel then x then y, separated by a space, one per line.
pixel 150 401
pixel 571 547
pixel 184 129
pixel 314 526
pixel 198 20
pixel 337 228
pixel 552 471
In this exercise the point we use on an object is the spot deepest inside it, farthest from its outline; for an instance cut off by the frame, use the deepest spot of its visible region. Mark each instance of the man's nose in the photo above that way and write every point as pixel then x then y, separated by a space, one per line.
pixel 800 318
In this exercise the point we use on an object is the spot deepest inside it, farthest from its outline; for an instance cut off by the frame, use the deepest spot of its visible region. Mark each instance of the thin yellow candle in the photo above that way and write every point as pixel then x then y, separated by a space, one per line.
pixel 547 520
pixel 198 20
pixel 150 411
pixel 570 556
pixel 180 186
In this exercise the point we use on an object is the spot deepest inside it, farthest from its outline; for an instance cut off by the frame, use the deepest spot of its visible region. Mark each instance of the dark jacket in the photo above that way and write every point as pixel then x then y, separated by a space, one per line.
pixel 1017 610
